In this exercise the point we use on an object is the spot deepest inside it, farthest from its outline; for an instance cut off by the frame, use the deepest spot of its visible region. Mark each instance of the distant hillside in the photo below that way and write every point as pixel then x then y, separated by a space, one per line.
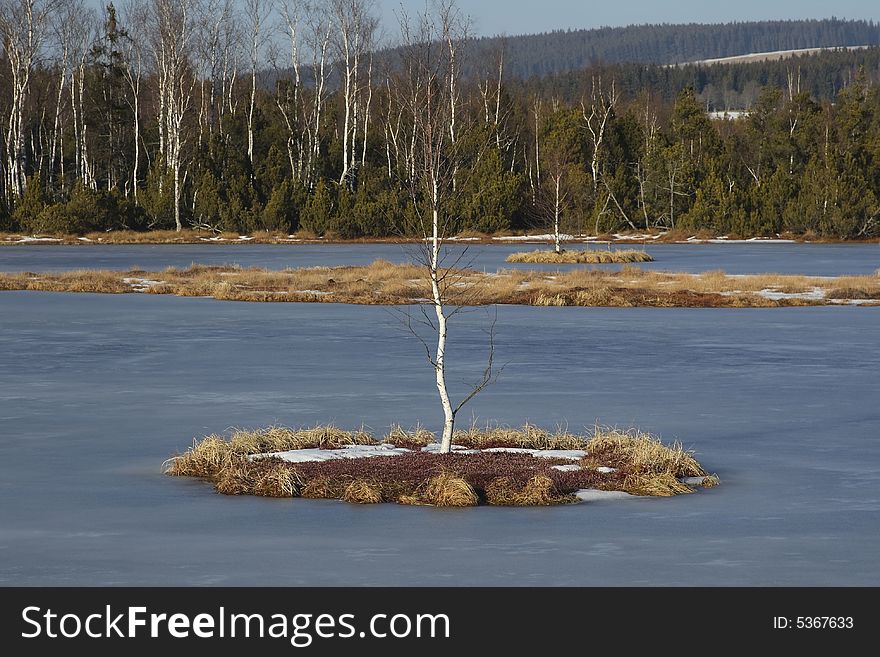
pixel 721 86
pixel 563 51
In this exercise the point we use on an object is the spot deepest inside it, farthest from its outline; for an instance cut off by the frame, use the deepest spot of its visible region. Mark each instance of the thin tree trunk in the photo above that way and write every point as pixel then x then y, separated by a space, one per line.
pixel 442 330
pixel 556 212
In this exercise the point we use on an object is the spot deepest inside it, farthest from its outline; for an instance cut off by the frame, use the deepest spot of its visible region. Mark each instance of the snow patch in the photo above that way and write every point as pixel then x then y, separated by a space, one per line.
pixel 434 448
pixel 572 454
pixel 606 470
pixel 814 294
pixel 141 284
pixel 37 239
pixel 568 467
pixel 853 302
pixel 595 495
pixel 349 452
pixel 532 238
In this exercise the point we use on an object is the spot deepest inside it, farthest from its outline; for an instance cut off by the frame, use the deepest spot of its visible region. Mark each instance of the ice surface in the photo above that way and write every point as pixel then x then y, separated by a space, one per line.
pixel 98 390
pixel 746 257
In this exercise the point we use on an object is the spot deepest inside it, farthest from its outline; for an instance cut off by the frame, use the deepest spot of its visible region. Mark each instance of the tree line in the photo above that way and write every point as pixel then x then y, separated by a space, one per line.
pixel 276 116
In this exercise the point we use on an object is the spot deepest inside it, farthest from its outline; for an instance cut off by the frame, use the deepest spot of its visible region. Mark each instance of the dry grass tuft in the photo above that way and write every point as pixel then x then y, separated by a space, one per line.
pixel 580 257
pixel 320 488
pixel 540 490
pixel 711 481
pixel 415 439
pixel 654 484
pixel 448 490
pixel 501 491
pixel 643 454
pixel 528 437
pixel 279 481
pixel 362 492
pixel 236 478
pixel 206 458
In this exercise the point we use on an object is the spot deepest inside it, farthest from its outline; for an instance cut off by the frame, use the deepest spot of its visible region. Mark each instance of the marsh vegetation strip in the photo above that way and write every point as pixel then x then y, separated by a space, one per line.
pixel 384 283
pixel 593 257
pixel 497 466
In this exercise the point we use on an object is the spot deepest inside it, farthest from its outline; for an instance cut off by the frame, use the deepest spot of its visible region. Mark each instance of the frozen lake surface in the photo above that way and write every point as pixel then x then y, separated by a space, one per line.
pixel 96 391
pixel 812 259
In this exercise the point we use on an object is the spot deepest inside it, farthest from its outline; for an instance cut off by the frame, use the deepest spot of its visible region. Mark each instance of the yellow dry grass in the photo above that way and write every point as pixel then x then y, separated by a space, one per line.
pixel 279 481
pixel 362 492
pixel 236 478
pixel 644 453
pixel 580 257
pixel 528 437
pixel 415 438
pixel 538 491
pixel 386 283
pixel 213 454
pixel 446 489
pixel 320 488
pixel 655 484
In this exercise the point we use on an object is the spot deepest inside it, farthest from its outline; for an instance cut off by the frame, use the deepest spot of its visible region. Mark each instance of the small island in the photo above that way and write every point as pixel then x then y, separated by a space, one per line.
pixel 494 466
pixel 588 257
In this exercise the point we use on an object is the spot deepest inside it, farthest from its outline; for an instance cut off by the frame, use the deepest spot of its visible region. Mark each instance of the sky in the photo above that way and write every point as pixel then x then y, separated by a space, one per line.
pixel 526 17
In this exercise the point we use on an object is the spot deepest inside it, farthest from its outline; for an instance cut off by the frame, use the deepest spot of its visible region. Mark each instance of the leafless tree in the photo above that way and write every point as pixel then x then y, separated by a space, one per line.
pixel 23 29
pixel 355 28
pixel 171 23
pixel 217 38
pixel 135 17
pixel 597 112
pixel 429 93
pixel 256 16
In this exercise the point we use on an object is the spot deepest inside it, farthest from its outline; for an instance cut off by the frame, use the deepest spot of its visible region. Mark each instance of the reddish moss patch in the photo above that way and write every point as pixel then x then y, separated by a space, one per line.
pixel 499 478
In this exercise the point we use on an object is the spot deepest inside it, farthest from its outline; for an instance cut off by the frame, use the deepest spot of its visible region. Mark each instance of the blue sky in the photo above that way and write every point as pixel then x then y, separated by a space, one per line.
pixel 517 17
pixel 526 17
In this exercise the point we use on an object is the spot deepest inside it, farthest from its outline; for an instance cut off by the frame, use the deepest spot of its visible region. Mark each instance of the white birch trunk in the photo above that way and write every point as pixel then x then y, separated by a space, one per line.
pixel 557 210
pixel 442 330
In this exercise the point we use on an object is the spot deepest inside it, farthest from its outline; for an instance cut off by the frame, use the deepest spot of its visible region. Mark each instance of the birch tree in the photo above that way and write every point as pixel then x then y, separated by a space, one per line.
pixel 429 94
pixel 288 91
pixel 136 18
pixel 596 113
pixel 171 27
pixel 257 15
pixel 213 21
pixel 355 29
pixel 560 155
pixel 319 29
pixel 23 29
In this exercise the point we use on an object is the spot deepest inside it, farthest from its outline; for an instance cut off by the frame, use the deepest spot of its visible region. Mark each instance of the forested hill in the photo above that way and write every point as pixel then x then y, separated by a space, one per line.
pixel 720 86
pixel 568 50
